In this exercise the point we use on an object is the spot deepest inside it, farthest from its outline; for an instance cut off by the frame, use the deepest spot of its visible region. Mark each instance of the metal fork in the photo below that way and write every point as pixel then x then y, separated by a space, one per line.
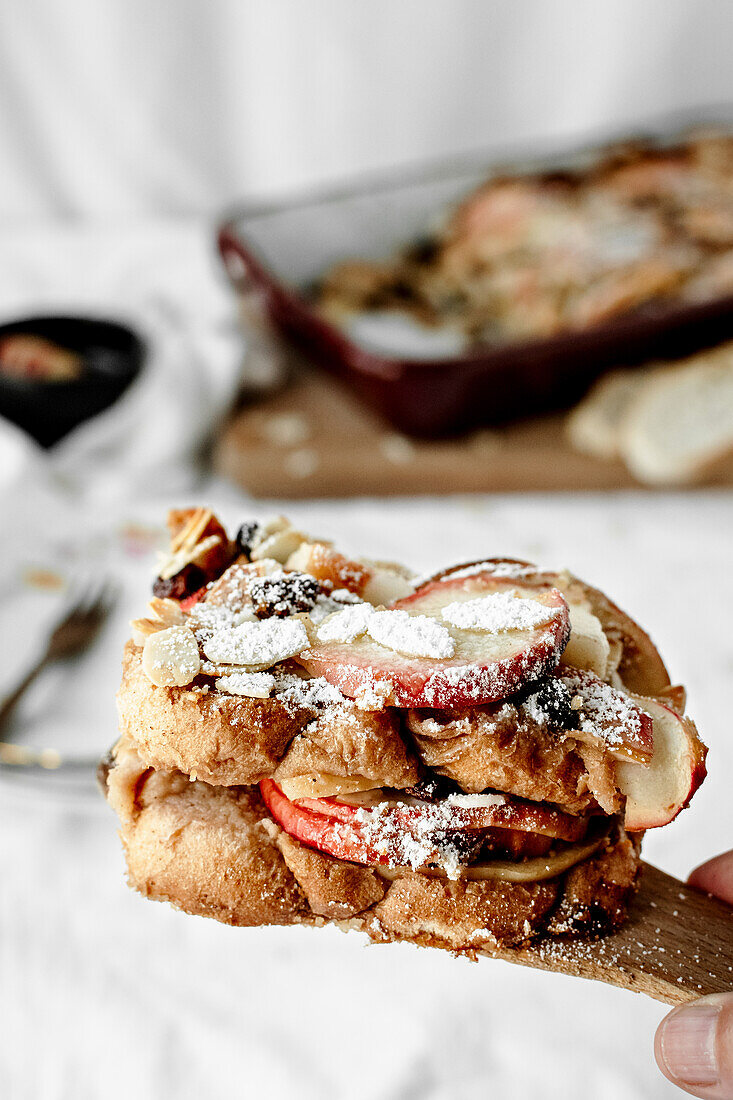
pixel 76 630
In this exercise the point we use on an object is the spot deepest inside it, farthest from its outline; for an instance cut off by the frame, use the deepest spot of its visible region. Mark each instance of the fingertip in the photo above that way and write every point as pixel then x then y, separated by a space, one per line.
pixel 693 1047
pixel 685 1047
pixel 715 876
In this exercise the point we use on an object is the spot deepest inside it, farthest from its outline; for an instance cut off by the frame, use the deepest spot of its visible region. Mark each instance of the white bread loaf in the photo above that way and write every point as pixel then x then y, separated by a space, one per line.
pixel 593 426
pixel 678 428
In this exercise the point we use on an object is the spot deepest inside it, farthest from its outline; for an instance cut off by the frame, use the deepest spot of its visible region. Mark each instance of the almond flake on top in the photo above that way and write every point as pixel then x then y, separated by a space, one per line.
pixel 346 625
pixel 413 635
pixel 262 643
pixel 498 612
pixel 315 692
pixel 252 685
pixel 328 604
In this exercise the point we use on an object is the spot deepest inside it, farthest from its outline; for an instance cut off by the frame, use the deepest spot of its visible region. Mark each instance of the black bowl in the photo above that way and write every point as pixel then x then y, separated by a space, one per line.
pixel 112 357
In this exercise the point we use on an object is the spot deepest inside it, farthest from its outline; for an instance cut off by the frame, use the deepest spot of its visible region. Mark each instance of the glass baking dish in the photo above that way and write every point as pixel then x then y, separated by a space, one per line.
pixel 275 253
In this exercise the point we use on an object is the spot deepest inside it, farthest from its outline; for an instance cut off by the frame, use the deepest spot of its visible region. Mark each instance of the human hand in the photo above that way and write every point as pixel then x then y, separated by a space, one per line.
pixel 694 1044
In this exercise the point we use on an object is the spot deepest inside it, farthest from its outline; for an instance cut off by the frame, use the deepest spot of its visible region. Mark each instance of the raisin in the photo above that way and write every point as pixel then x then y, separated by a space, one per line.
pixel 423 251
pixel 246 536
pixel 183 583
pixel 464 844
pixel 284 595
pixel 433 788
pixel 550 704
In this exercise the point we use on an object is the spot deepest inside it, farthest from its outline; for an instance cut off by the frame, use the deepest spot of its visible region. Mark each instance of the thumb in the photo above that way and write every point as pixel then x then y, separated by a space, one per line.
pixel 694 1047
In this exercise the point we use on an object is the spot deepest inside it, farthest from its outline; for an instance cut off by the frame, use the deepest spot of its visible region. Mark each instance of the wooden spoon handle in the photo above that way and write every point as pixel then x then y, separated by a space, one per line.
pixel 676 945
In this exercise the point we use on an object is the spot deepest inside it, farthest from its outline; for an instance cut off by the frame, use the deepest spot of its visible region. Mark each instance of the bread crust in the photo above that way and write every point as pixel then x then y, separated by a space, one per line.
pixel 492 747
pixel 203 849
pixel 231 740
pixel 214 852
pixel 222 739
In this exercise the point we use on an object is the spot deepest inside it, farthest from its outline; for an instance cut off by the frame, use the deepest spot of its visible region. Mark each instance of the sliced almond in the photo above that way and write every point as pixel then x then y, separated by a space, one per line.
pixel 279 545
pixel 188 555
pixel 588 647
pixel 386 583
pixel 162 613
pixel 192 530
pixel 258 644
pixel 171 657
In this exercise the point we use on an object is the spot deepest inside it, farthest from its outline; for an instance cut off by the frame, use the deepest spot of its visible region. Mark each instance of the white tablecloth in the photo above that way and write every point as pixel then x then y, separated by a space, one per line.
pixel 105 995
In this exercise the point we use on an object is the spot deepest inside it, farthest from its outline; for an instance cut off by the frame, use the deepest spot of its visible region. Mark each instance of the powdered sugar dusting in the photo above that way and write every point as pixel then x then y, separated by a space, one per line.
pixel 605 711
pixel 252 685
pixel 497 612
pixel 496 568
pixel 404 839
pixel 413 635
pixel 316 692
pixel 328 604
pixel 478 684
pixel 346 625
pixel 259 643
pixel 207 619
pixel 475 801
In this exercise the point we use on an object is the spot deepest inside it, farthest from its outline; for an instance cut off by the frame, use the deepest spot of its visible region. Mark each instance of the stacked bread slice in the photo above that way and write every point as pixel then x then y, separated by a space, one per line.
pixel 672 424
pixel 467 761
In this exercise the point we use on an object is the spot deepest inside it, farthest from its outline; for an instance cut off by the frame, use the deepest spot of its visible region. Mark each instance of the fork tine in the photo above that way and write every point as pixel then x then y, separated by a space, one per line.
pixel 88 602
pixel 109 595
pixel 94 598
pixel 81 591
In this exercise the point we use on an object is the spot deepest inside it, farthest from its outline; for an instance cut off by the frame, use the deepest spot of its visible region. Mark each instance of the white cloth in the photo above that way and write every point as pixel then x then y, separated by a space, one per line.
pixel 131 107
pixel 102 994
pixel 164 279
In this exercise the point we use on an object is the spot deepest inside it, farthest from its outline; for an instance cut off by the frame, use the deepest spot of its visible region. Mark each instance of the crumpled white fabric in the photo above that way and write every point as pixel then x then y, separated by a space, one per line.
pixel 129 996
pixel 105 995
pixel 165 281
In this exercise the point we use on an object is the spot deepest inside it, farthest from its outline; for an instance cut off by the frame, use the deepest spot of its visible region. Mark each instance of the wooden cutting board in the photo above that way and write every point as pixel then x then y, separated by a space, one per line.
pixel 313 438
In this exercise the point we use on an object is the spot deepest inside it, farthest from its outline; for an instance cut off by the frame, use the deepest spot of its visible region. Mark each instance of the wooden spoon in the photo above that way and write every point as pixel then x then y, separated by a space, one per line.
pixel 676 945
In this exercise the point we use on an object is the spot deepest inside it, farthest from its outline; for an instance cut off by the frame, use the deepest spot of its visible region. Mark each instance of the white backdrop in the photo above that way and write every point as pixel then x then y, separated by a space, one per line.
pixel 135 107
pixel 124 110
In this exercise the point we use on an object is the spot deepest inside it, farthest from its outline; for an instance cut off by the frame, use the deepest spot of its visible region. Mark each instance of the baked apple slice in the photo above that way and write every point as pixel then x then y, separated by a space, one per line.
pixel 655 794
pixel 453 643
pixel 396 833
pixel 457 811
pixel 639 666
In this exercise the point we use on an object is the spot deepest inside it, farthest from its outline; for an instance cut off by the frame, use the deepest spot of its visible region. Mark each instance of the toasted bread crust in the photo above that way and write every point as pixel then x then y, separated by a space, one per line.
pixel 212 851
pixel 332 887
pixel 480 748
pixel 230 740
pixel 203 849
pixel 222 739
